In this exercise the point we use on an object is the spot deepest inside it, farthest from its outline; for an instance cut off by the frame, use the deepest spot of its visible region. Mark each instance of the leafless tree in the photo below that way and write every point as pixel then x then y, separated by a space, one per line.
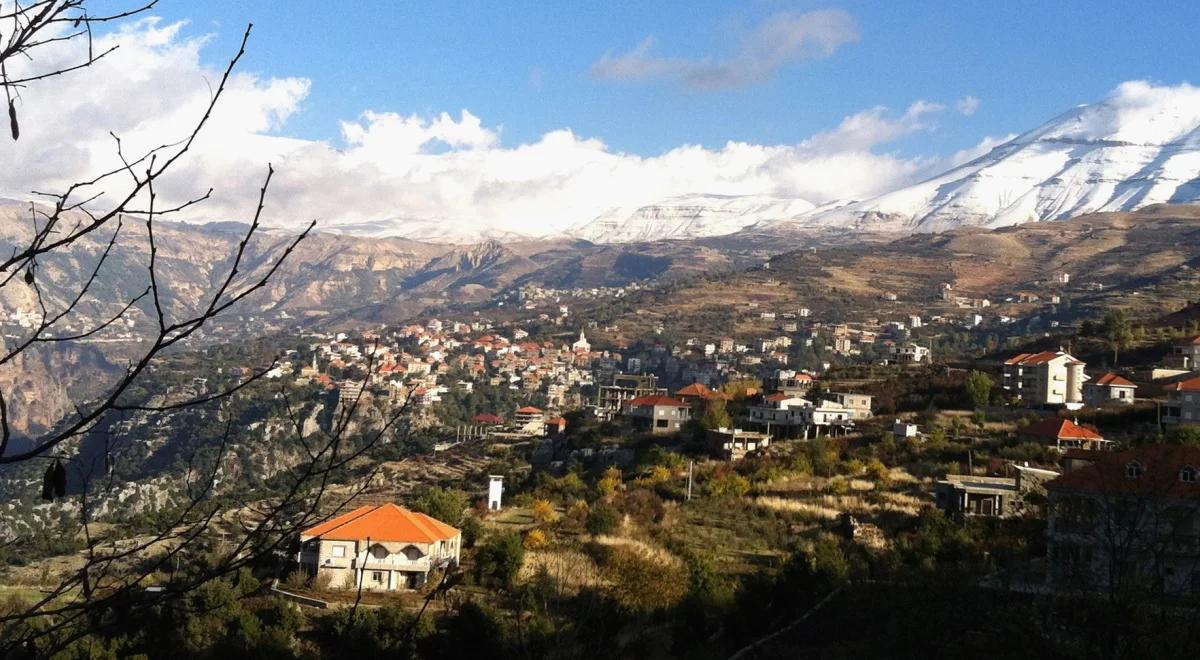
pixel 104 209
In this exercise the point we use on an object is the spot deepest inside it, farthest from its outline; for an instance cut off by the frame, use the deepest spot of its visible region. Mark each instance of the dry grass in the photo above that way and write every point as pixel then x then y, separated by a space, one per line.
pixel 653 552
pixel 571 569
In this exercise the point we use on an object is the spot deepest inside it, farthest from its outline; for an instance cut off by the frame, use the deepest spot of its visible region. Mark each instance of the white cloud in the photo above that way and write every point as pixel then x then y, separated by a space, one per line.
pixel 781 39
pixel 967 105
pixel 447 175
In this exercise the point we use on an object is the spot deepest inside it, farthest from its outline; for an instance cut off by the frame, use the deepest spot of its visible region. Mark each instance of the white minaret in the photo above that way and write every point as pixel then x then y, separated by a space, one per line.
pixel 495 490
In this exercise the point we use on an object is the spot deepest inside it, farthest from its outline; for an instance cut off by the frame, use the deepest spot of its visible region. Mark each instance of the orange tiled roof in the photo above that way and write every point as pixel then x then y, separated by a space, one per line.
pixel 386 522
pixel 1114 379
pixel 1189 385
pixel 529 410
pixel 1161 464
pixel 1060 429
pixel 777 396
pixel 695 389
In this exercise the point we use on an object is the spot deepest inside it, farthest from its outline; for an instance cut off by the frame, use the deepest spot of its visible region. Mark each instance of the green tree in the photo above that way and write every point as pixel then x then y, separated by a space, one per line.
pixel 499 559
pixel 1117 330
pixel 716 416
pixel 445 504
pixel 979 388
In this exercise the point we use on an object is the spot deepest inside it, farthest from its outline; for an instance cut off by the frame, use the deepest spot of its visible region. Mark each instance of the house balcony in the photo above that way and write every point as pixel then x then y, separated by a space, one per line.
pixel 422 565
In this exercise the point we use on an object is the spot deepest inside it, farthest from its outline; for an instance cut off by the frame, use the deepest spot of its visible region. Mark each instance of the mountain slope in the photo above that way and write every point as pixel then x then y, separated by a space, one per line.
pixel 691 216
pixel 1136 148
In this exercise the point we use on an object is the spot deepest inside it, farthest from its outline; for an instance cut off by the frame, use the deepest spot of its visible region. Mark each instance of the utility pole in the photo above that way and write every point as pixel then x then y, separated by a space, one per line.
pixel 689 486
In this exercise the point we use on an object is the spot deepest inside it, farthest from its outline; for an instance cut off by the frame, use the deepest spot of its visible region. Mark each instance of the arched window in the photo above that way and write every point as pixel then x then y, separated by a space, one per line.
pixel 379 552
pixel 1189 474
pixel 1134 469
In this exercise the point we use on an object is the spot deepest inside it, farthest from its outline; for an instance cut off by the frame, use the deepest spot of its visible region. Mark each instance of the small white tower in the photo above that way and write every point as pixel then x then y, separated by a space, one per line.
pixel 495 490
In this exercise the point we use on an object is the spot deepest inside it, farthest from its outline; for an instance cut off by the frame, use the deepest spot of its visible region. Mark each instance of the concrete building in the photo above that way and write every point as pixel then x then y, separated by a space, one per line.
pixel 658 414
pixel 997 497
pixel 626 387
pixel 495 491
pixel 530 420
pixel 1048 378
pixel 789 382
pixel 734 444
pixel 859 405
pixel 910 353
pixel 1185 355
pixel 382 548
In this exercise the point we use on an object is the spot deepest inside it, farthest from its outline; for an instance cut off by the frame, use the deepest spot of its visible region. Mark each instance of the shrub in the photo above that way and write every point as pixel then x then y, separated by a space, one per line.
pixel 543 511
pixel 537 539
pixel 611 480
pixel 297 579
pixel 640 583
pixel 322 581
pixel 603 519
pixel 730 484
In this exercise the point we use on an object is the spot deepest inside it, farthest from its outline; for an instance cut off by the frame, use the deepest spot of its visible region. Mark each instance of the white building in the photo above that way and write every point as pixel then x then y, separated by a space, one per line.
pixel 1048 378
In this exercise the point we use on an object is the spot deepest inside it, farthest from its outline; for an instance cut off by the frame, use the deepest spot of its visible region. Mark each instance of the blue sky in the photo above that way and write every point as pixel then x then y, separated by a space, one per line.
pixel 525 66
pixel 462 120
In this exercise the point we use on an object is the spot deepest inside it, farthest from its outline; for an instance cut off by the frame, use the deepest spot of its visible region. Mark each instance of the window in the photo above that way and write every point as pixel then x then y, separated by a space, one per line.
pixel 1189 474
pixel 1134 470
pixel 377 576
pixel 660 423
pixel 339 551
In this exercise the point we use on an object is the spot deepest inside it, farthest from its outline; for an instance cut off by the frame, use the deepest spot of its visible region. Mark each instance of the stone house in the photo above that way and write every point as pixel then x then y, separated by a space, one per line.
pixel 1107 389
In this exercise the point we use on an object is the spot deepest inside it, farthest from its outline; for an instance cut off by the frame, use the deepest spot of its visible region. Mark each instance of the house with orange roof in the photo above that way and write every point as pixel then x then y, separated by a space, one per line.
pixel 530 420
pixel 1183 402
pixel 1109 388
pixel 1048 378
pixel 380 548
pixel 694 393
pixel 1127 521
pixel 1063 434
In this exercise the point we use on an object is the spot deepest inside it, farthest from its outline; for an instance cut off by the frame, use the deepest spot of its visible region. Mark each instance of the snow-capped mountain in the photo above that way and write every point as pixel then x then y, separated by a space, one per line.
pixel 689 216
pixel 430 231
pixel 1138 147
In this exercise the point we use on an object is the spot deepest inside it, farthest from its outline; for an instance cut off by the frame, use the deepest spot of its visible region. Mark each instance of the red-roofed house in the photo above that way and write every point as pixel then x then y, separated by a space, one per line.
pixel 1063 434
pixel 658 413
pixel 384 547
pixel 1127 521
pixel 1107 389
pixel 556 425
pixel 1183 402
pixel 1049 378
pixel 530 420
pixel 693 393
pixel 488 419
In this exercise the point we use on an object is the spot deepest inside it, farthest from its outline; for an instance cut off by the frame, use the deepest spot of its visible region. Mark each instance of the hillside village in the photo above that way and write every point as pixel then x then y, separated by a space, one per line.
pixel 585 434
